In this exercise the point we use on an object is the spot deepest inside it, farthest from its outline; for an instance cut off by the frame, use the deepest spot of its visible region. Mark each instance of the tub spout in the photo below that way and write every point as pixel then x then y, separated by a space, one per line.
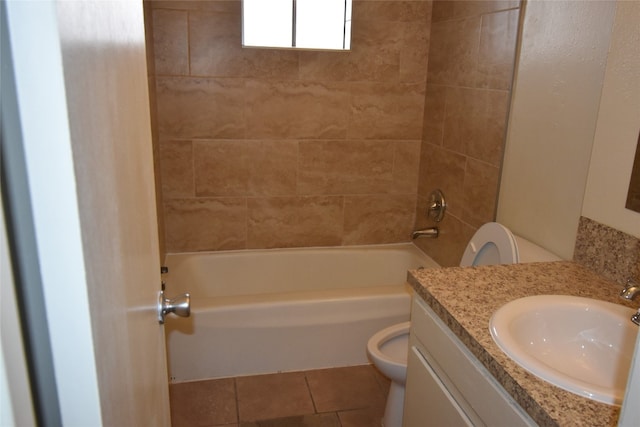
pixel 427 232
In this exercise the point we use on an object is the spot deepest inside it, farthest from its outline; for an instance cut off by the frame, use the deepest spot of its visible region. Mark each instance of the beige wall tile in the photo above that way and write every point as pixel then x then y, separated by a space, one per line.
pixel 221 168
pixel 346 167
pixel 475 123
pixel 356 167
pixel 444 10
pixel 170 42
pixel 389 44
pixel 497 46
pixel 445 170
pixel 465 8
pixel 378 219
pixel 386 111
pixel 289 109
pixel 216 50
pixel 375 50
pixel 205 224
pixel 176 168
pixel 480 192
pixel 406 167
pixel 245 168
pixel 325 66
pixel 414 52
pixel 215 43
pixel 273 167
pixel 200 107
pixel 387 10
pixel 434 113
pixel 453 52
pixel 279 222
pixel 416 11
pixel 270 64
pixel 213 5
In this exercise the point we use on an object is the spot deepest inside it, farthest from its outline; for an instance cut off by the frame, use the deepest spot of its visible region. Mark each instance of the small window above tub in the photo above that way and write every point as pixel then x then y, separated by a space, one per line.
pixel 301 24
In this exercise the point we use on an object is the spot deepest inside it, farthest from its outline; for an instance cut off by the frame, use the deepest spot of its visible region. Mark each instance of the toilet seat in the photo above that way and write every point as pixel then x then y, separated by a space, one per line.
pixel 492 244
pixel 388 348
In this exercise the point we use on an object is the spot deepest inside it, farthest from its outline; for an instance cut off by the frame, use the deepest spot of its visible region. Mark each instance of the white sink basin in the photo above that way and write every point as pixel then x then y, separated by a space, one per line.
pixel 582 345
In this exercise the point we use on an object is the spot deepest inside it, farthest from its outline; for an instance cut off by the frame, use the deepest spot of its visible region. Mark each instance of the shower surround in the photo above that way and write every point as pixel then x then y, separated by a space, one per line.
pixel 280 148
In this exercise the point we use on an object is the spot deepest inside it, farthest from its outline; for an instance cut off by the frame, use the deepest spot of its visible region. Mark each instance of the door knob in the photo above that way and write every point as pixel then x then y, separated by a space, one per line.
pixel 180 306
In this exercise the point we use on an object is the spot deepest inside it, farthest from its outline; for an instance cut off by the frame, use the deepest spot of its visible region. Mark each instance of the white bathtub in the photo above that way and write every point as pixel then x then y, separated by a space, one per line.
pixel 265 311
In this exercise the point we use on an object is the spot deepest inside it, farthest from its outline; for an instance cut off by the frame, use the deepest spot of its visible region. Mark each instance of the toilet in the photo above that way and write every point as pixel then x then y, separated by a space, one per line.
pixel 492 244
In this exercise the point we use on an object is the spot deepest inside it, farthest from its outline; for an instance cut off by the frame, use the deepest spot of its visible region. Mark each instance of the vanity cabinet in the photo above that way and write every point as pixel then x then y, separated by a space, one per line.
pixel 446 384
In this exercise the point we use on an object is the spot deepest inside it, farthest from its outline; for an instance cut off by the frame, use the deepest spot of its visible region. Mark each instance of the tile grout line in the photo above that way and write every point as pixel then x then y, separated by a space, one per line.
pixel 235 392
pixel 313 401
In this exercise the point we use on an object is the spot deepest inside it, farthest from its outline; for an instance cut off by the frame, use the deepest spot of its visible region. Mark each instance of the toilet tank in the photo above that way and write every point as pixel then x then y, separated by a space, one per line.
pixel 530 252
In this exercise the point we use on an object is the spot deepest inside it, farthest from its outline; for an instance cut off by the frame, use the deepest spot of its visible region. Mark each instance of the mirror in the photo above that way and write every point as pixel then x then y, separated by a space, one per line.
pixel 633 196
pixel 301 24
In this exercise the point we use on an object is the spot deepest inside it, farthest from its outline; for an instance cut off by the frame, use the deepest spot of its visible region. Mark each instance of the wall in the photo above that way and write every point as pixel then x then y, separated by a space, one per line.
pixel 617 127
pixel 553 118
pixel 471 58
pixel 608 238
pixel 278 148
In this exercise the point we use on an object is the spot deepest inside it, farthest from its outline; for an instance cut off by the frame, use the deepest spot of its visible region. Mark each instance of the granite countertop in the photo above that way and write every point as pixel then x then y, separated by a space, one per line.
pixel 465 299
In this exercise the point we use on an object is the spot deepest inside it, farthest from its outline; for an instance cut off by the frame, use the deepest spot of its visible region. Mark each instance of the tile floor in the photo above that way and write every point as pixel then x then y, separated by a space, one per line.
pixel 338 397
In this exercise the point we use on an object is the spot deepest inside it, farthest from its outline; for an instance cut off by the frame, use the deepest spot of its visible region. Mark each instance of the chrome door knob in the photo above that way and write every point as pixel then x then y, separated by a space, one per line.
pixel 180 306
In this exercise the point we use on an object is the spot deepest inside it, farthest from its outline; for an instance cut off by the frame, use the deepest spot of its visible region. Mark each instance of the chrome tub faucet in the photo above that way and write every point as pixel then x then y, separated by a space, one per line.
pixel 427 232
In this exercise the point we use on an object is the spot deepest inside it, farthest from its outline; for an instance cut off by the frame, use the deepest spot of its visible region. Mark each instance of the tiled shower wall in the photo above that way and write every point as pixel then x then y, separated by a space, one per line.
pixel 472 52
pixel 280 148
pixel 275 148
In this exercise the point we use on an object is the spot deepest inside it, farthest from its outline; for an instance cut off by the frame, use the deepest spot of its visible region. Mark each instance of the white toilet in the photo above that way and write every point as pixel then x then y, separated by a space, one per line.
pixel 492 244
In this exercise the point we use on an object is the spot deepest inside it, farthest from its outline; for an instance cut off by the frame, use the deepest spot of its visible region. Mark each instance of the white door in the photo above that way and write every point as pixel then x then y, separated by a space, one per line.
pixel 81 85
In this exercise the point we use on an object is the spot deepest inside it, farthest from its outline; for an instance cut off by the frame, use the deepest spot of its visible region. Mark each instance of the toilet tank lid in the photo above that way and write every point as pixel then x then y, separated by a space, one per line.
pixel 530 252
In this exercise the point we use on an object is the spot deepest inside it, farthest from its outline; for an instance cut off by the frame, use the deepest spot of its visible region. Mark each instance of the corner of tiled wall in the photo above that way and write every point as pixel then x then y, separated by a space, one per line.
pixel 607 251
pixel 471 60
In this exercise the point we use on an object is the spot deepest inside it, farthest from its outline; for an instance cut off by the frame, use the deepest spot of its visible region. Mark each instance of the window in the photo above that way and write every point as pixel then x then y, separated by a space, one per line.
pixel 305 24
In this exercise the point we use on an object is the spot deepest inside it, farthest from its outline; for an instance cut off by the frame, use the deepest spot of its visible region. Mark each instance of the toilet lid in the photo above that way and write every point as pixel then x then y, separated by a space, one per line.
pixel 492 244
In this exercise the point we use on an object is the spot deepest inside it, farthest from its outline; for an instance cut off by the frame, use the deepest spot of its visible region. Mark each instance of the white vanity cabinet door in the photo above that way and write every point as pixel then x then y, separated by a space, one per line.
pixel 472 387
pixel 427 400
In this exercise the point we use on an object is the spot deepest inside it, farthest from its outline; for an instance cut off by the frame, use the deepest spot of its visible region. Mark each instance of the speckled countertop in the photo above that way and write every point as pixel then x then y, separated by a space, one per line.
pixel 465 299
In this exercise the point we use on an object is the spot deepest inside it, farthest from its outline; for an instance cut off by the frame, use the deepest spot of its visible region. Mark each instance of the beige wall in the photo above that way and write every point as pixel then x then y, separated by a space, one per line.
pixel 617 127
pixel 471 60
pixel 553 118
pixel 276 148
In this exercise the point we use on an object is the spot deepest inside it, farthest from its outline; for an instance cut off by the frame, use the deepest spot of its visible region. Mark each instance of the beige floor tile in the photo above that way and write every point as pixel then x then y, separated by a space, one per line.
pixel 368 417
pixel 271 396
pixel 203 403
pixel 341 389
pixel 315 420
pixel 383 381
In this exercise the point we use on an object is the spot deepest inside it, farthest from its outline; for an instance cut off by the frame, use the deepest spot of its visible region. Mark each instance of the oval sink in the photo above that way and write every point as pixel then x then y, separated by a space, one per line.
pixel 579 344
